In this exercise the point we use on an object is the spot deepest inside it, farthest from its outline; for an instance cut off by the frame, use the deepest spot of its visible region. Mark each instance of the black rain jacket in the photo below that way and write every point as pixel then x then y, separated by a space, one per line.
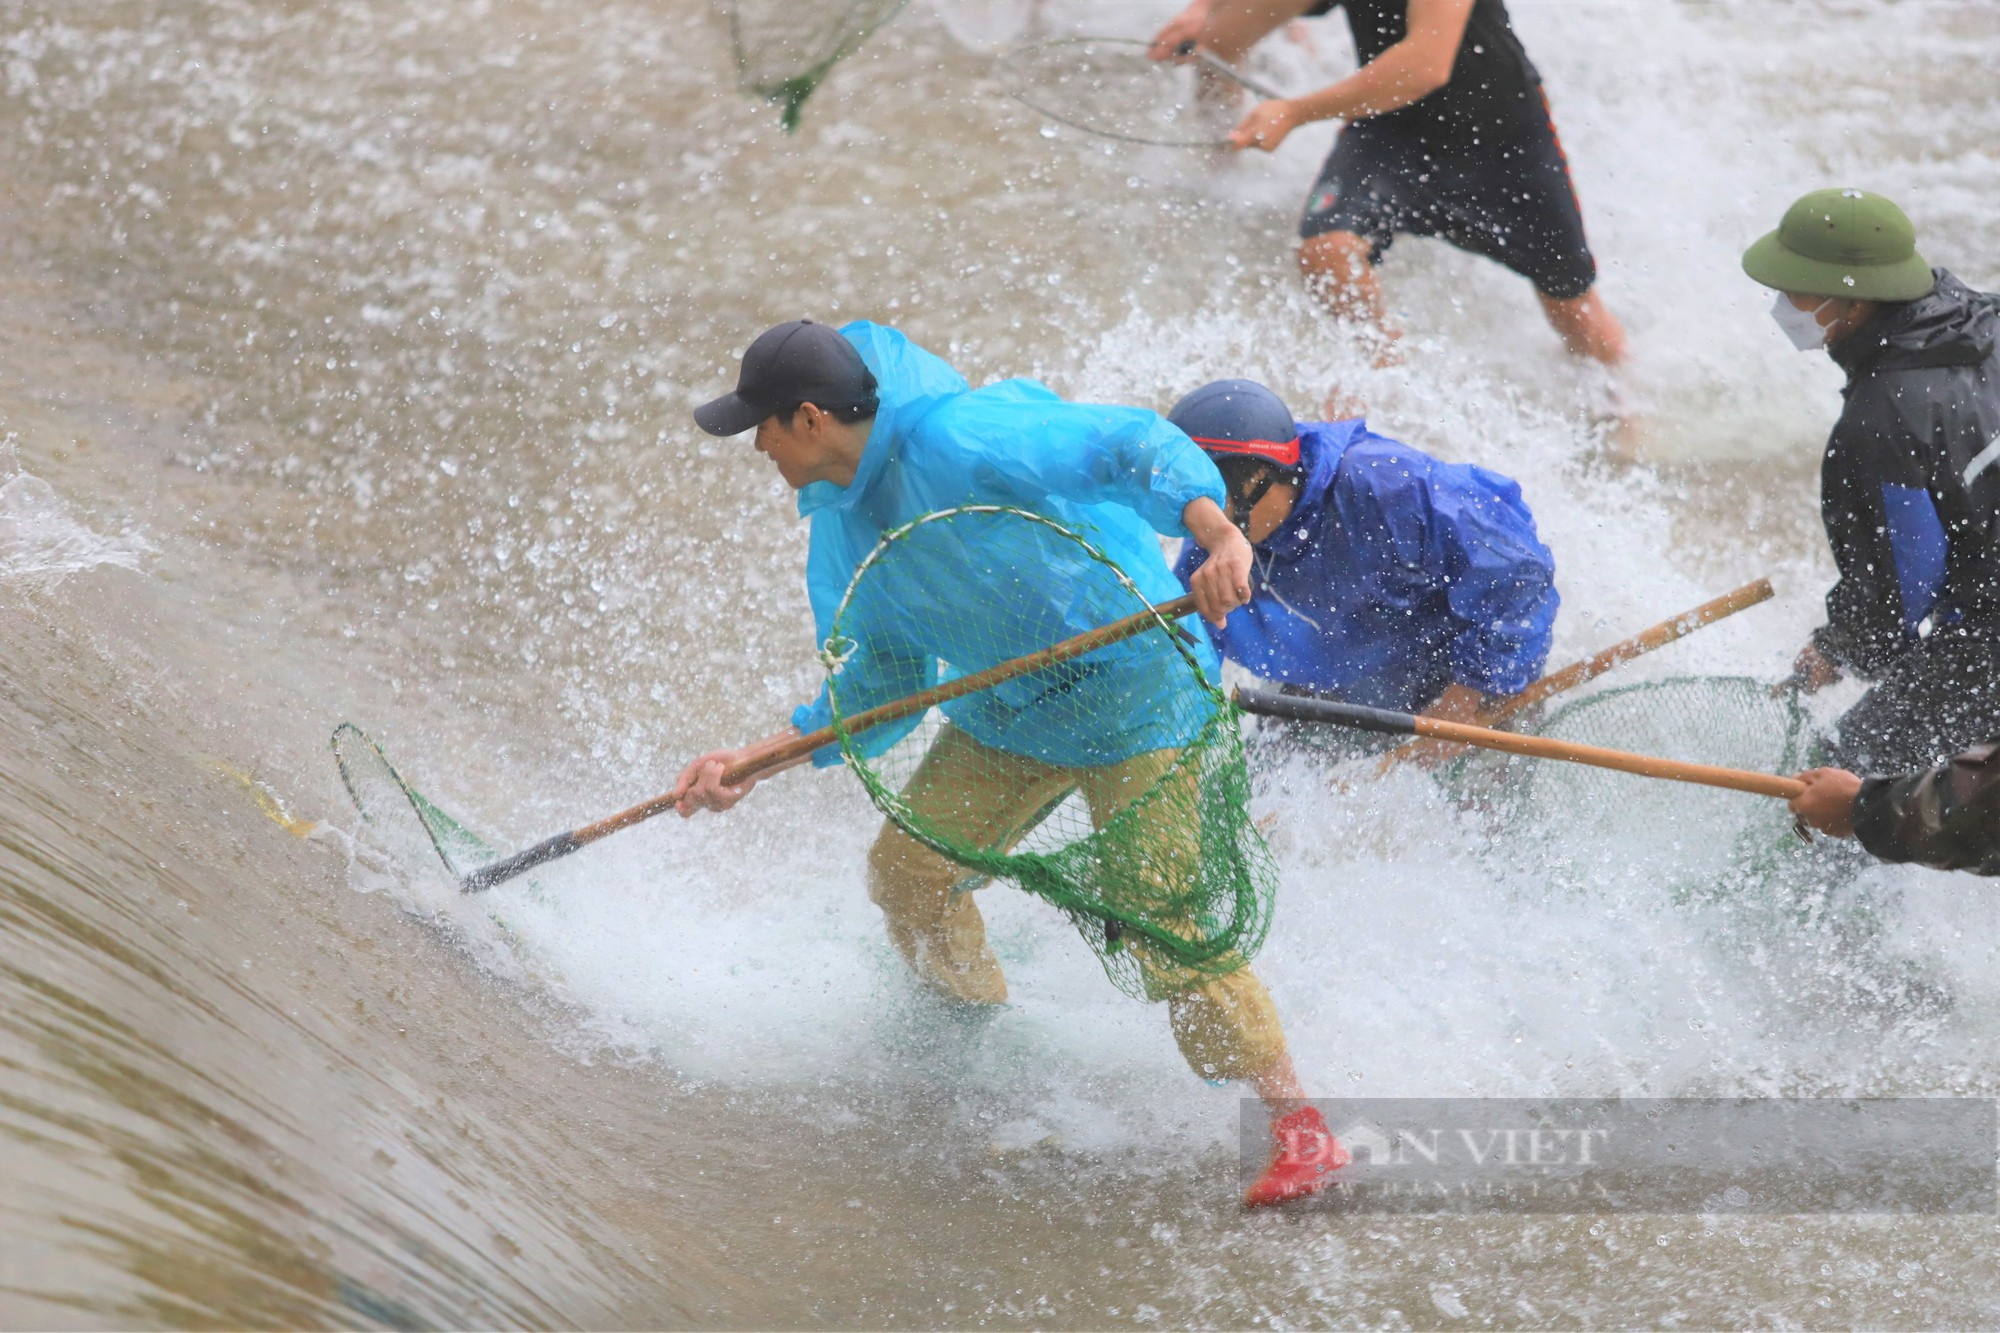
pixel 1910 486
pixel 1947 818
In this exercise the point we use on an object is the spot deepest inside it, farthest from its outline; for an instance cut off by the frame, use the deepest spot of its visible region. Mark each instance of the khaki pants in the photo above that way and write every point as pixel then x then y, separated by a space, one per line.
pixel 1226 1026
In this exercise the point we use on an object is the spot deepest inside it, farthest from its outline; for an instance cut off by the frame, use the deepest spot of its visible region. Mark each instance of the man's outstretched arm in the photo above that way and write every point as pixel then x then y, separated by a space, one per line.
pixel 1223 582
pixel 1827 803
pixel 1407 72
pixel 1225 28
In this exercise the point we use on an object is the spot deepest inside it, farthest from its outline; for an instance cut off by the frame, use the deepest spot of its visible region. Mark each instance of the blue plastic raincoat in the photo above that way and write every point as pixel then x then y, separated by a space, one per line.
pixel 1114 475
pixel 1394 576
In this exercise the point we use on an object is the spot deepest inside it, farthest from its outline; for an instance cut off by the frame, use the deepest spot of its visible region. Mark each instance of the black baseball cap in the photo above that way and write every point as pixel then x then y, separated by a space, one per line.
pixel 799 362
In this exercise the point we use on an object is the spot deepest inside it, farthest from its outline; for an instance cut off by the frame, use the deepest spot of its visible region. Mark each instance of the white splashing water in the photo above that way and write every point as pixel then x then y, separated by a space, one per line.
pixel 41 538
pixel 1412 955
pixel 1413 952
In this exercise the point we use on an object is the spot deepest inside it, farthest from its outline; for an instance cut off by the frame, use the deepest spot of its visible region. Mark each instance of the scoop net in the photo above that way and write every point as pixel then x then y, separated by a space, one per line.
pixel 1111 785
pixel 1109 87
pixel 408 825
pixel 1597 817
pixel 785 47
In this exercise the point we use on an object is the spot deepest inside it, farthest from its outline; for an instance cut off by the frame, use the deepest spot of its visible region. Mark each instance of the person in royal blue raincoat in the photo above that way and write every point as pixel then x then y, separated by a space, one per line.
pixel 1382 576
pixel 875 432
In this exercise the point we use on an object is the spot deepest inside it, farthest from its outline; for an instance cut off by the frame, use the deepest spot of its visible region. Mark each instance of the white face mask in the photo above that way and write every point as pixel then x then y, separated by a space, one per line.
pixel 1801 326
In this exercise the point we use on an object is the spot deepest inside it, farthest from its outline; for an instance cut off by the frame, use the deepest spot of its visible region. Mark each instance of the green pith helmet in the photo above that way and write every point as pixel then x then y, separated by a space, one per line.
pixel 1842 243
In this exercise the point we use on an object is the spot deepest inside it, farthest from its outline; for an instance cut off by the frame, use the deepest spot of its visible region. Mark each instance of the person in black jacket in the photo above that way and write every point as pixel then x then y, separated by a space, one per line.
pixel 1448 134
pixel 1947 817
pixel 1910 484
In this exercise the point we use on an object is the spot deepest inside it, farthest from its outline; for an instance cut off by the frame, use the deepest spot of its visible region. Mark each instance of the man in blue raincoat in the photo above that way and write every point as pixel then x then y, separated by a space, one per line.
pixel 1382 576
pixel 874 432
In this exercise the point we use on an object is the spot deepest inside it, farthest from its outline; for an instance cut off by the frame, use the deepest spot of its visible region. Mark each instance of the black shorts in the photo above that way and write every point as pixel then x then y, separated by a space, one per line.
pixel 1510 199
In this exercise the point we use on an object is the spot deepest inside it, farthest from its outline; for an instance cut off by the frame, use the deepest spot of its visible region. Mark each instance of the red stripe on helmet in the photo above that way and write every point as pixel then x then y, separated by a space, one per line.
pixel 1285 454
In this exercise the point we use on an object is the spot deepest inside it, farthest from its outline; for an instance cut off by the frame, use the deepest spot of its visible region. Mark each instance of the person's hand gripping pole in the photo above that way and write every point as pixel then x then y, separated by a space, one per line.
pixel 1223 582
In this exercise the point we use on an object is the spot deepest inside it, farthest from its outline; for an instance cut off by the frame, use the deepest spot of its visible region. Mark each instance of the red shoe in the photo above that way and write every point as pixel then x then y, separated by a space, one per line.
pixel 1304 1156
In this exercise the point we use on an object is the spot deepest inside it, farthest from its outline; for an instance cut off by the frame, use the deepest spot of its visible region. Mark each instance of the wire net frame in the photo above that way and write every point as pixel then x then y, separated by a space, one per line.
pixel 1110 87
pixel 412 827
pixel 1581 826
pixel 1151 855
pixel 785 48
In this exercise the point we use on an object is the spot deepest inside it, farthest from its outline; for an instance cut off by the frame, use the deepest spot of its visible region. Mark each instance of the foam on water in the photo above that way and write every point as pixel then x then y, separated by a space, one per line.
pixel 41 539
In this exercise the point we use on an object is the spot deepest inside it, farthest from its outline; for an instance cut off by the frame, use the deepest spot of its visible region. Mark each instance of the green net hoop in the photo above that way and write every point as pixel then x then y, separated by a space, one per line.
pixel 1696 837
pixel 785 47
pixel 1112 785
pixel 410 827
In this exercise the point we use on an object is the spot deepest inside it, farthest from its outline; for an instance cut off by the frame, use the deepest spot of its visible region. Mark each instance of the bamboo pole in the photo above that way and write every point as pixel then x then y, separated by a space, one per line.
pixel 1576 673
pixel 785 751
pixel 1383 720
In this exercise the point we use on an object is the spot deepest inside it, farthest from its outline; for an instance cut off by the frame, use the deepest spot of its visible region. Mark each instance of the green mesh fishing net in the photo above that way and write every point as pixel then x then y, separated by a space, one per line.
pixel 785 47
pixel 413 830
pixel 1111 785
pixel 1597 818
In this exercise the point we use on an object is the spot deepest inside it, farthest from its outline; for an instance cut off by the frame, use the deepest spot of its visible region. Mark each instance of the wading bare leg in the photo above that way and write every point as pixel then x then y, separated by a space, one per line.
pixel 1586 326
pixel 1337 270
